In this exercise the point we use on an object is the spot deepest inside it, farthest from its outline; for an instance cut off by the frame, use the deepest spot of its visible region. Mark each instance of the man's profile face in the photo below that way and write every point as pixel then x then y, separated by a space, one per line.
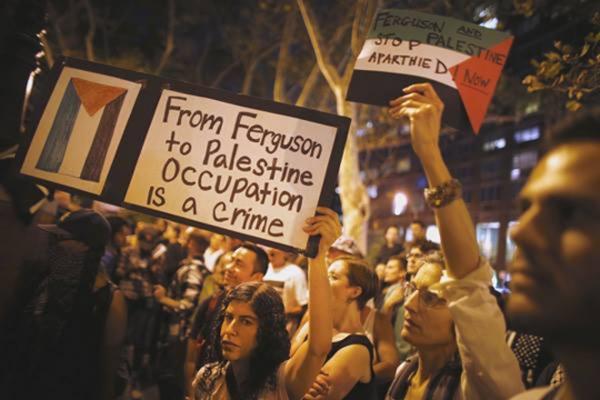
pixel 556 271
pixel 241 268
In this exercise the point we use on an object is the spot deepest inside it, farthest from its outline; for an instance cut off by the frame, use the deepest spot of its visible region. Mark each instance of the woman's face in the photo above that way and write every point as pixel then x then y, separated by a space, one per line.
pixel 341 291
pixel 239 331
pixel 427 319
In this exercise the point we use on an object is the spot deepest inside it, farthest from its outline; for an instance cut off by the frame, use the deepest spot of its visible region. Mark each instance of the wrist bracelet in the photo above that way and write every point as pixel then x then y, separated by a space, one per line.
pixel 443 194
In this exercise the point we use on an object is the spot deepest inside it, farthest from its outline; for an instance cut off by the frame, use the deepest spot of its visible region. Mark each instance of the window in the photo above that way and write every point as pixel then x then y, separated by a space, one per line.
pixel 403 165
pixel 400 203
pixel 495 144
pixel 421 182
pixel 527 135
pixel 515 174
pixel 433 233
pixel 372 191
pixel 487 238
pixel 510 245
pixel 490 193
pixel 491 168
pixel 525 159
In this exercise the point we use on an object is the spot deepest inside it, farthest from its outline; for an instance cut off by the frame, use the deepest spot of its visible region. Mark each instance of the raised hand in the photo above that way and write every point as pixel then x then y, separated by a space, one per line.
pixel 326 224
pixel 423 107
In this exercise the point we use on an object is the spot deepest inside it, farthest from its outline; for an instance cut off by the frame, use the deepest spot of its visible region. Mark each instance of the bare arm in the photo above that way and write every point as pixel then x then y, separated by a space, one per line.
pixel 303 367
pixel 388 357
pixel 114 336
pixel 422 106
pixel 346 368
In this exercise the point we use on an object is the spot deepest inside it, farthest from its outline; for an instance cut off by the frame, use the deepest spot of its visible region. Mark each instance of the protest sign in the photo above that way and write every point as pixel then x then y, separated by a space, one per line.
pixel 238 165
pixel 463 61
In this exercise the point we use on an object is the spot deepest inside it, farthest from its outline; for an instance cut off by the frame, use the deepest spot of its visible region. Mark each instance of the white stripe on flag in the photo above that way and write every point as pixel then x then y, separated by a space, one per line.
pixel 406 61
pixel 80 142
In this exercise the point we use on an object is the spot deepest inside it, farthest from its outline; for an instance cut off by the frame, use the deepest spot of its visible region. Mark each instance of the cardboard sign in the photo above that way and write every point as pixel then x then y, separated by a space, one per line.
pixel 242 166
pixel 463 61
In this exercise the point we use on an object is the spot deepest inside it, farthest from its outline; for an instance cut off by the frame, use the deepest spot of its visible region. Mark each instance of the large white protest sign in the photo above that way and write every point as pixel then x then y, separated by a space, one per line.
pixel 237 168
pixel 242 166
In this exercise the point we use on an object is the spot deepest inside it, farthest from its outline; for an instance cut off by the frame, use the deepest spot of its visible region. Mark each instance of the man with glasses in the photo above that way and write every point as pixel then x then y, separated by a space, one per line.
pixel 450 316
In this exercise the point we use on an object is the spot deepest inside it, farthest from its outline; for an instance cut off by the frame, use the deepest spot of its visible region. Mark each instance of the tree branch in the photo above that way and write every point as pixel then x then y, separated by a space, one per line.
pixel 169 45
pixel 202 59
pixel 89 37
pixel 327 69
pixel 217 81
pixel 360 28
pixel 249 76
pixel 288 32
pixel 53 18
pixel 313 77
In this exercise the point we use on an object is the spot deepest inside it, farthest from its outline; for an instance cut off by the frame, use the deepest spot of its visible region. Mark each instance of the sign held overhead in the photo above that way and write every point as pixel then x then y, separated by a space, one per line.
pixel 243 166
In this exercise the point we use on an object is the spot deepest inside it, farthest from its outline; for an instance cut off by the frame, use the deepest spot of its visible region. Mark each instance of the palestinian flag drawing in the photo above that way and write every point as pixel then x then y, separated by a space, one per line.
pixel 82 130
pixel 463 61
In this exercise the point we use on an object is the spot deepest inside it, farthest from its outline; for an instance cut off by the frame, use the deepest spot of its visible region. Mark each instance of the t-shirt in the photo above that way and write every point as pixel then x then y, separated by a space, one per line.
pixel 290 282
pixel 210 383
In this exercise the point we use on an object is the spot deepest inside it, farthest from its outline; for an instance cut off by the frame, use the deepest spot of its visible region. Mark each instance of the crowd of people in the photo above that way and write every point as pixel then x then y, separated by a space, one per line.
pixel 115 306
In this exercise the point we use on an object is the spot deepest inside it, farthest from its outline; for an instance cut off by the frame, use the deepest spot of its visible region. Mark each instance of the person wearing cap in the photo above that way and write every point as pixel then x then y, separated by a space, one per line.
pixel 73 327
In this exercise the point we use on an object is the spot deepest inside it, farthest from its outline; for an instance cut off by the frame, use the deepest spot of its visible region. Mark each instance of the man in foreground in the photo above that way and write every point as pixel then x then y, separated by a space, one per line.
pixel 556 272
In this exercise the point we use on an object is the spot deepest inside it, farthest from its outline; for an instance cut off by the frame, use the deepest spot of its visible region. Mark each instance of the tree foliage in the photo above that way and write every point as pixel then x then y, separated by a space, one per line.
pixel 572 70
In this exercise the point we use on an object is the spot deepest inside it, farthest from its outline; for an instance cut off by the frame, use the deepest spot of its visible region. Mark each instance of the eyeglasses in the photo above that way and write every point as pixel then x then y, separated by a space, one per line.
pixel 426 298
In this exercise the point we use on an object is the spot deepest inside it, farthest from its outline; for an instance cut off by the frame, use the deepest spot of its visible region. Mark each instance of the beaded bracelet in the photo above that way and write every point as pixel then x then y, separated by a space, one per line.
pixel 443 194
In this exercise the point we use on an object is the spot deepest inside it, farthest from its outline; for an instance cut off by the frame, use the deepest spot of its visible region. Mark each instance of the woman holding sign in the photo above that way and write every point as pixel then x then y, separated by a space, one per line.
pixel 252 345
pixel 450 316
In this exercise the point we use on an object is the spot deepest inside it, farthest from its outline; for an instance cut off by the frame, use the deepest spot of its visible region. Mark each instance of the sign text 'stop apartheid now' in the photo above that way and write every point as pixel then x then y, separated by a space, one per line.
pixel 463 61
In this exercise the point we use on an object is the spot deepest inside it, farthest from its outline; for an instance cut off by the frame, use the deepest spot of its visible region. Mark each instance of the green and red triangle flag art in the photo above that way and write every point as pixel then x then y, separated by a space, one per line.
pixel 463 61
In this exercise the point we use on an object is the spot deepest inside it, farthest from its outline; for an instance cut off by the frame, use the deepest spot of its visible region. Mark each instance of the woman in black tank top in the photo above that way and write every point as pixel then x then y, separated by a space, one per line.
pixel 349 364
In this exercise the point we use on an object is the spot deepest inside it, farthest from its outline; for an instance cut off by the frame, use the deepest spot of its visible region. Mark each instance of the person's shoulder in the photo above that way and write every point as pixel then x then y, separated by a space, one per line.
pixel 294 270
pixel 534 394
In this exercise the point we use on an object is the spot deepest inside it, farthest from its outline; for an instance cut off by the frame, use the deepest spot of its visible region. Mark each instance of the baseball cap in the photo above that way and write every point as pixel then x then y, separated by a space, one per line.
pixel 347 245
pixel 85 225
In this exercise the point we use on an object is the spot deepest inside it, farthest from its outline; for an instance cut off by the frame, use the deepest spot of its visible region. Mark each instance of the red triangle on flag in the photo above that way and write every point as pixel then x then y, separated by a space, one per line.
pixel 95 95
pixel 476 80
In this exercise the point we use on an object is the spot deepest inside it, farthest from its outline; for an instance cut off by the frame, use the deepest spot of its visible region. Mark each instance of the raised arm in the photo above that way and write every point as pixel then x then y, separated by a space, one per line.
pixel 422 106
pixel 303 367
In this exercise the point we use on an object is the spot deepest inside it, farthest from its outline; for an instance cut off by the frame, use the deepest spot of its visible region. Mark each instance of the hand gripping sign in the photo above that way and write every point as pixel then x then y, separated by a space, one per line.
pixel 463 61
pixel 242 166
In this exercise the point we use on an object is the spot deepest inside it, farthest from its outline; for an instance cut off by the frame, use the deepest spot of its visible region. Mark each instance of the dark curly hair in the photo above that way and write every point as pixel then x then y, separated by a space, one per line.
pixel 273 343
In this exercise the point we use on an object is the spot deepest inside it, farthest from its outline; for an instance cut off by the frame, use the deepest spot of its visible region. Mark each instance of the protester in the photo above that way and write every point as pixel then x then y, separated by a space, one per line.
pixel 393 301
pixel 70 333
pixel 214 250
pixel 252 345
pixel 179 302
pixel 555 272
pixel 135 272
pixel 118 241
pixel 414 259
pixel 348 371
pixel 248 264
pixel 391 246
pixel 419 237
pixel 456 324
pixel 290 282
